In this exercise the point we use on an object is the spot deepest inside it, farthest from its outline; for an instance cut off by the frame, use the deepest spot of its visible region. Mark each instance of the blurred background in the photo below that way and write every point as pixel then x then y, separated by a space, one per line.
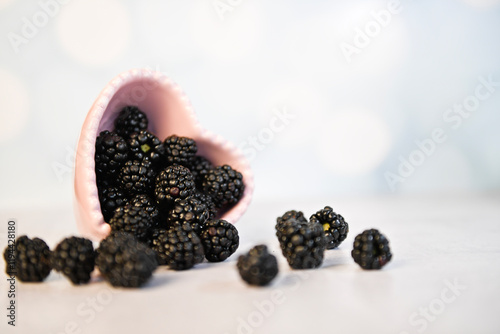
pixel 325 98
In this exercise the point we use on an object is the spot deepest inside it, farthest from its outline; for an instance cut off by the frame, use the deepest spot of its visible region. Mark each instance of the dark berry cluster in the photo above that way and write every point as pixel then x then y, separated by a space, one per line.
pixel 162 202
pixel 31 260
pixel 134 168
pixel 303 242
pixel 164 194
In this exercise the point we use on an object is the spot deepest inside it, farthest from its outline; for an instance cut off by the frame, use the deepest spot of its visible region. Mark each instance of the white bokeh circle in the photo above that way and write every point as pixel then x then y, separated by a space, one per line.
pixel 15 105
pixel 353 142
pixel 94 32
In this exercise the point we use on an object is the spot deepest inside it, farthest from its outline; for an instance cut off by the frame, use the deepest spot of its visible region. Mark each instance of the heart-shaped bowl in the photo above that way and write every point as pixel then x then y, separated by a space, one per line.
pixel 169 112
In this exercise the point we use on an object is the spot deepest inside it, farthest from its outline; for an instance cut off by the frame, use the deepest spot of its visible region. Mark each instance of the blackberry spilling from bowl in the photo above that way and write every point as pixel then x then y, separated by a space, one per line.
pixel 135 162
pixel 148 184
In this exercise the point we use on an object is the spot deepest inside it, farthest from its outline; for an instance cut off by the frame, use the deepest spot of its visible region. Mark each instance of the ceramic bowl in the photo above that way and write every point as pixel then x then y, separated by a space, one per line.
pixel 169 112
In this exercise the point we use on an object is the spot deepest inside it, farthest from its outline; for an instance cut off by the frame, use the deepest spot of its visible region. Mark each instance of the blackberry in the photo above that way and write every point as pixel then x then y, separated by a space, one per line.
pixel 145 145
pixel 28 259
pixel 130 119
pixel 179 150
pixel 172 183
pixel 110 199
pixel 137 177
pixel 132 219
pixel 371 250
pixel 124 261
pixel 220 240
pixel 258 267
pixel 224 185
pixel 145 202
pixel 75 258
pixel 199 167
pixel 189 210
pixel 111 153
pixel 178 247
pixel 334 225
pixel 302 244
pixel 209 202
pixel 291 215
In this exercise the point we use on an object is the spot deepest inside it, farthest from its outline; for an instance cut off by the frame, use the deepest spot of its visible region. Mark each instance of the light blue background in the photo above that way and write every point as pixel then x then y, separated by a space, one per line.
pixel 353 120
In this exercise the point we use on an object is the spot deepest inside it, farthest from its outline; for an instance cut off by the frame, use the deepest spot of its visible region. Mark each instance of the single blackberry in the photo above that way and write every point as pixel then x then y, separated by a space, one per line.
pixel 258 267
pixel 145 202
pixel 111 153
pixel 137 177
pixel 124 261
pixel 28 259
pixel 334 225
pixel 110 199
pixel 189 210
pixel 291 215
pixel 209 202
pixel 302 244
pixel 199 167
pixel 172 183
pixel 74 257
pixel 371 250
pixel 144 144
pixel 178 247
pixel 130 119
pixel 220 240
pixel 224 185
pixel 132 219
pixel 180 150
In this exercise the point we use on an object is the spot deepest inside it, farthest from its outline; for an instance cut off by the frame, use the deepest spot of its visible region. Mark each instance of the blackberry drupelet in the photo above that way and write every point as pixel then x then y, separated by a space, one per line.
pixel 144 144
pixel 291 215
pixel 220 240
pixel 189 210
pixel 145 202
pixel 132 219
pixel 224 185
pixel 179 150
pixel 110 199
pixel 28 259
pixel 209 202
pixel 334 225
pixel 172 183
pixel 74 257
pixel 302 244
pixel 130 119
pixel 111 153
pixel 371 250
pixel 258 267
pixel 124 261
pixel 137 177
pixel 199 167
pixel 178 247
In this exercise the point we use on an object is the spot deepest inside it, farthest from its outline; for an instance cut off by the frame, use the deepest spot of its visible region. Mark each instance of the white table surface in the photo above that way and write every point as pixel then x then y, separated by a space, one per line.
pixel 437 241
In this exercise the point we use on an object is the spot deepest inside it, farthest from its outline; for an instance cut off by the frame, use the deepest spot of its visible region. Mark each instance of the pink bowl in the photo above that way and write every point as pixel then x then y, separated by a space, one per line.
pixel 169 112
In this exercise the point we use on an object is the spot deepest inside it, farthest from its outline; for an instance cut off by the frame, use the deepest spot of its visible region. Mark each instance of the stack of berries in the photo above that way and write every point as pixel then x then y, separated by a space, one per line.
pixel 164 194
